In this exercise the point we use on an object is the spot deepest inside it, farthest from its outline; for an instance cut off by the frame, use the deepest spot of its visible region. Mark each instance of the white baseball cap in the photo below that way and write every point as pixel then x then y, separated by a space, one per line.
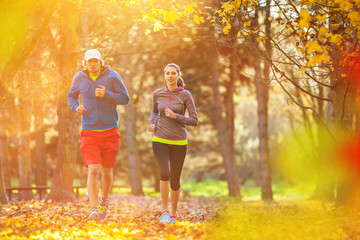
pixel 92 53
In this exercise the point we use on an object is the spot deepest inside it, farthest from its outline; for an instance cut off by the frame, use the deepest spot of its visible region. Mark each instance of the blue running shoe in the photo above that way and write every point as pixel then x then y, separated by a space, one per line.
pixel 94 215
pixel 172 219
pixel 103 208
pixel 165 217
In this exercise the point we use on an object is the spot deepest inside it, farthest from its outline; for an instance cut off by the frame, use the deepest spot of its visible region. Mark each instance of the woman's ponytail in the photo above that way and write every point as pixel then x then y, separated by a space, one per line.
pixel 180 82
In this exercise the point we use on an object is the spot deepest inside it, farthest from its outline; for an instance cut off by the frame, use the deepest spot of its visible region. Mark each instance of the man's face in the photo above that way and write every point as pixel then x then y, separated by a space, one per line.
pixel 93 65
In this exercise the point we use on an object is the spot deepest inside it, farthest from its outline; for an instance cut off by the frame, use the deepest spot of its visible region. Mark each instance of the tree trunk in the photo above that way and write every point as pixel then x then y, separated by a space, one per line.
pixel 3 157
pixel 61 188
pixel 223 138
pixel 326 178
pixel 132 143
pixel 229 103
pixel 24 151
pixel 133 156
pixel 40 165
pixel 262 96
pixel 342 117
pixel 10 164
pixel 39 156
pixel 262 99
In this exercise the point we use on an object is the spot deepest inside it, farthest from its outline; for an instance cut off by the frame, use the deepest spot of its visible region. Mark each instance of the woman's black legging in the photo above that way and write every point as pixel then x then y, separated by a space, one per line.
pixel 173 154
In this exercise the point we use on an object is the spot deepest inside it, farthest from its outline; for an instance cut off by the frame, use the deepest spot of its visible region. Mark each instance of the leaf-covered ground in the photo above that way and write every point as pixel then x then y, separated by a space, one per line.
pixel 312 220
pixel 129 218
pixel 198 218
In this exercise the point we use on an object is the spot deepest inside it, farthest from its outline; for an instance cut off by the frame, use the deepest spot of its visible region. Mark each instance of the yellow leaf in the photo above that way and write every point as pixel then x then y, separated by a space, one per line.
pixel 343 75
pixel 158 26
pixel 354 17
pixel 147 32
pixel 321 18
pixel 146 17
pixel 227 28
pixel 152 2
pixel 247 23
pixel 323 33
pixel 313 46
pixel 261 39
pixel 190 7
pixel 198 19
pixel 310 2
pixel 336 38
pixel 228 7
pixel 348 30
pixel 346 5
pixel 170 16
pixel 270 19
pixel 318 60
pixel 305 18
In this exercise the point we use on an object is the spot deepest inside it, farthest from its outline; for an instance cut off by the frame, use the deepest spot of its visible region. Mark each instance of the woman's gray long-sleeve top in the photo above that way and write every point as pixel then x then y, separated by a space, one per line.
pixel 178 101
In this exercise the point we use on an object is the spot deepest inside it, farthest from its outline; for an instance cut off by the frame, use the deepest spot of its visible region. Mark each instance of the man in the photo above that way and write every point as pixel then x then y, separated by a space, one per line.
pixel 102 90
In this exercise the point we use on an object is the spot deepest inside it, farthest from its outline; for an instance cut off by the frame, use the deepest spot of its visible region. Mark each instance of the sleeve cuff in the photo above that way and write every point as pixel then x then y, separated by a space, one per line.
pixel 74 109
pixel 179 118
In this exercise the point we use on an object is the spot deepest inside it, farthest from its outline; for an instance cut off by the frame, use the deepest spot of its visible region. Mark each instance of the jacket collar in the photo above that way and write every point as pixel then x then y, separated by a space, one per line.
pixel 178 89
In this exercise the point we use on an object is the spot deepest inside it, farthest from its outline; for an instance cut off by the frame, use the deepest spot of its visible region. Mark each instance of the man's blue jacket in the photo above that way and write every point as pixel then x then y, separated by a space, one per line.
pixel 100 113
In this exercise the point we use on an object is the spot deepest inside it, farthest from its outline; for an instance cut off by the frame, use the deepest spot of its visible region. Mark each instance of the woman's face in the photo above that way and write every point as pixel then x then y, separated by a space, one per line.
pixel 171 76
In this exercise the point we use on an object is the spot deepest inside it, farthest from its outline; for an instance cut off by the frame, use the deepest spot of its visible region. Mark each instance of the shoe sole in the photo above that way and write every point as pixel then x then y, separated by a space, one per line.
pixel 94 216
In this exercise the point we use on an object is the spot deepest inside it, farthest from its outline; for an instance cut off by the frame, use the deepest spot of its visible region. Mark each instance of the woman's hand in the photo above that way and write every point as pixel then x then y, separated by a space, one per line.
pixel 151 128
pixel 169 113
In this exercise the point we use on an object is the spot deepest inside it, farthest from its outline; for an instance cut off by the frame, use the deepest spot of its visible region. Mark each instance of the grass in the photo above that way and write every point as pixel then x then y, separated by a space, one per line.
pixel 212 188
pixel 282 220
pixel 249 192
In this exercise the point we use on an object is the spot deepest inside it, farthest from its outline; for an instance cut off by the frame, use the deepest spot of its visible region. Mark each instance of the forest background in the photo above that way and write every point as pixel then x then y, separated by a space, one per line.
pixel 275 84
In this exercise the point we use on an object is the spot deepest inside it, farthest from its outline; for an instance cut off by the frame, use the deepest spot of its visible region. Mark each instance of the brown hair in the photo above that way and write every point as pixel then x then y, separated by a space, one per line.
pixel 180 82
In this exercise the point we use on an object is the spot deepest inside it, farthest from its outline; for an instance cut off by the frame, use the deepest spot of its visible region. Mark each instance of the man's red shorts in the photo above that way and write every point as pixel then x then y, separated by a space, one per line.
pixel 100 147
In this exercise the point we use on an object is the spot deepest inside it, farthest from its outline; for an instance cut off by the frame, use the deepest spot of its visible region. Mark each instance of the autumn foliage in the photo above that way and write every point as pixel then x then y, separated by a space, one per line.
pixel 129 218
pixel 198 218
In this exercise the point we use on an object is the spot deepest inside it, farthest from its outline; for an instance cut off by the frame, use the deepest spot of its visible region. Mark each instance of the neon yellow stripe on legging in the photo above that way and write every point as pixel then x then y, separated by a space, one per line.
pixel 170 141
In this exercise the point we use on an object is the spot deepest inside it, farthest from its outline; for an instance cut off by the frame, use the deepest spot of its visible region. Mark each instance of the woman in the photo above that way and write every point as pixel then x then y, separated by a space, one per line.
pixel 168 124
